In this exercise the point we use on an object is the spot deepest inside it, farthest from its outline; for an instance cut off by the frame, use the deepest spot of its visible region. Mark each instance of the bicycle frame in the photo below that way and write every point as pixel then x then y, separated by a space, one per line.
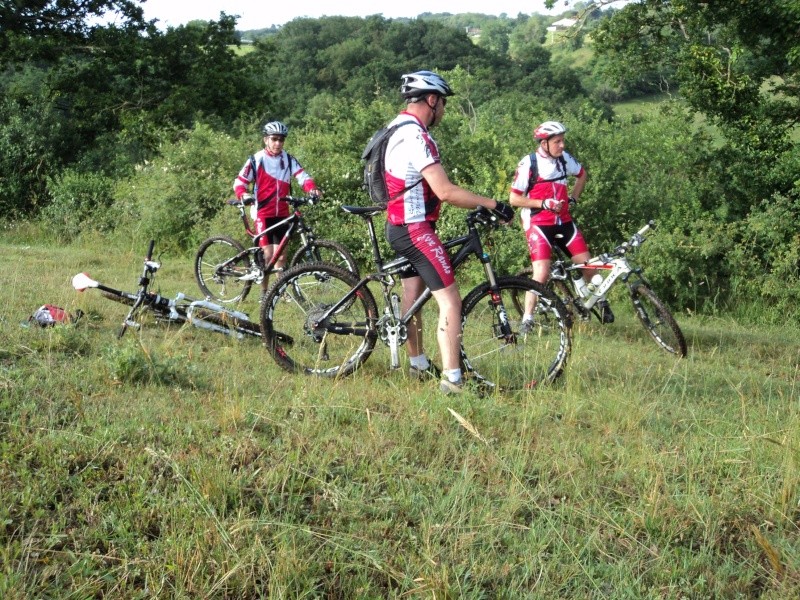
pixel 395 331
pixel 295 222
pixel 178 309
pixel 615 262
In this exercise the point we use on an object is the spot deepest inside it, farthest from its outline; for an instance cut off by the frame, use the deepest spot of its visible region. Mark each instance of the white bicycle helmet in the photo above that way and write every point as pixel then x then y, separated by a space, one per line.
pixel 421 83
pixel 276 128
pixel 548 129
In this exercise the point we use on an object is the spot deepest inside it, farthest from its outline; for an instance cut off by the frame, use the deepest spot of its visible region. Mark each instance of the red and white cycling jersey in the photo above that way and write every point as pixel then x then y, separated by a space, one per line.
pixel 409 151
pixel 551 182
pixel 272 180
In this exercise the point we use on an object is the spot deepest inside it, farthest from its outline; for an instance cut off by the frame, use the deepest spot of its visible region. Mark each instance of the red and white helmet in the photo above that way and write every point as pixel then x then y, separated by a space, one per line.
pixel 548 129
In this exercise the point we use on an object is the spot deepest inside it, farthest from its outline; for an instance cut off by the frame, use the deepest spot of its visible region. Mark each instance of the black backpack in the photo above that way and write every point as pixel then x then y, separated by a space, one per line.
pixel 374 157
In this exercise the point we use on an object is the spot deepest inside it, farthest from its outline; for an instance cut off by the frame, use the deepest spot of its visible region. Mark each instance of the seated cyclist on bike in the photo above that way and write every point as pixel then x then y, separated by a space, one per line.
pixel 270 172
pixel 418 185
pixel 545 204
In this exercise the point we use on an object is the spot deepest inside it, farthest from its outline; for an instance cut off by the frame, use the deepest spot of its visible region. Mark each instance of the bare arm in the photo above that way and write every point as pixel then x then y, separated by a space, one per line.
pixel 580 183
pixel 449 192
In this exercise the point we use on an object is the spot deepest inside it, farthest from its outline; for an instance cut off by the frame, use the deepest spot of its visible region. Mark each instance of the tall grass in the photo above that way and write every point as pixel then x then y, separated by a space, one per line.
pixel 180 463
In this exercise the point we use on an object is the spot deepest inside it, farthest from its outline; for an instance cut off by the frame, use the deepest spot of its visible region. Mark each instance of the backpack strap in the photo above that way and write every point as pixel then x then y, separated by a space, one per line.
pixel 533 175
pixel 252 160
pixel 416 183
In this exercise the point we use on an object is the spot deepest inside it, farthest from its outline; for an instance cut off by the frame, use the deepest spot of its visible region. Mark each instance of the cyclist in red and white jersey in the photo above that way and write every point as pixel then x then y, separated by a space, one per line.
pixel 545 205
pixel 417 185
pixel 270 173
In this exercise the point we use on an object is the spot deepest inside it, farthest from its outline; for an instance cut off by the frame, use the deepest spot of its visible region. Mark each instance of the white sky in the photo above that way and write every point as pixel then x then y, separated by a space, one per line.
pixel 260 14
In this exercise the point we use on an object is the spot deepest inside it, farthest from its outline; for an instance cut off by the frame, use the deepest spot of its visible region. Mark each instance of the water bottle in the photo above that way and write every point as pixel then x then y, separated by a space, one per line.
pixel 597 279
pixel 580 287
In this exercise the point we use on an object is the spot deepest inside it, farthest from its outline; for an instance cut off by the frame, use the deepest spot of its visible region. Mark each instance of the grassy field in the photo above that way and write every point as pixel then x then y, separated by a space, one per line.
pixel 177 463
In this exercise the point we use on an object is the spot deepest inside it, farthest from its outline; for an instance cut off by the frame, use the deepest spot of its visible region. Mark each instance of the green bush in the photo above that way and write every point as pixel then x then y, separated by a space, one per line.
pixel 79 202
pixel 172 198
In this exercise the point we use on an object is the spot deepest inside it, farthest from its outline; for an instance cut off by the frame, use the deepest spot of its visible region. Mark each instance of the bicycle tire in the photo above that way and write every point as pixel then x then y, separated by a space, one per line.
pixel 514 360
pixel 228 322
pixel 218 284
pixel 564 292
pixel 297 342
pixel 327 251
pixel 657 320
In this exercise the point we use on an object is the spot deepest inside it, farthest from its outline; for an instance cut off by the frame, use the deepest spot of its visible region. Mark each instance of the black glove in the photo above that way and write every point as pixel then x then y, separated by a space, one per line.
pixel 503 211
pixel 573 201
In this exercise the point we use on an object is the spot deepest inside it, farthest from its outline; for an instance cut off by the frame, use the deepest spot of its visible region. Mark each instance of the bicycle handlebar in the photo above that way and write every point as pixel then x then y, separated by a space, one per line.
pixel 293 200
pixel 637 239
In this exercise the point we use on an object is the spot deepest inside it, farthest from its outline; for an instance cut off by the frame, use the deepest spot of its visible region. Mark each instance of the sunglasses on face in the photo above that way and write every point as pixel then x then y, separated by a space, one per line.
pixel 276 138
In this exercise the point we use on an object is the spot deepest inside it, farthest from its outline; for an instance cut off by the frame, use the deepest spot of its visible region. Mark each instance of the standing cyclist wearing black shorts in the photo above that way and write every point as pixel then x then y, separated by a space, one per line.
pixel 270 173
pixel 545 204
pixel 417 185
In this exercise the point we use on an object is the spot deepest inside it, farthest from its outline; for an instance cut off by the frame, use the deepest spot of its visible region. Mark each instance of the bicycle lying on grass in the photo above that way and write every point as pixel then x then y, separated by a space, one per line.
pixel 332 322
pixel 568 284
pixel 225 270
pixel 200 313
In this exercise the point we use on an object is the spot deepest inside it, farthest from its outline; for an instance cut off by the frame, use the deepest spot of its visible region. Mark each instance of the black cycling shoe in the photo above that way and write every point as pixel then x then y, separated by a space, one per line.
pixel 606 316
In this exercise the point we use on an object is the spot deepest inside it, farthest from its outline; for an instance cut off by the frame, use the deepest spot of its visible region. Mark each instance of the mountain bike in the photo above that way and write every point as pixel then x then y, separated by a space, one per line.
pixel 181 309
pixel 225 270
pixel 580 298
pixel 332 321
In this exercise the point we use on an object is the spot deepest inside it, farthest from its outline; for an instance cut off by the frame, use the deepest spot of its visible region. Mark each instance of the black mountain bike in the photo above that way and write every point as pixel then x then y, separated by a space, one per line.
pixel 332 323
pixel 225 270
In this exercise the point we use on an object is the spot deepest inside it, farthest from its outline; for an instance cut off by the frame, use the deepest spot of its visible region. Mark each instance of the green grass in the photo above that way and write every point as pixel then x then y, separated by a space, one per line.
pixel 180 463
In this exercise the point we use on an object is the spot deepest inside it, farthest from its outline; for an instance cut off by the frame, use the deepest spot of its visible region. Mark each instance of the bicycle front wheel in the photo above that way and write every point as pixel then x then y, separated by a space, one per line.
pixel 311 325
pixel 657 320
pixel 219 266
pixel 502 355
pixel 326 251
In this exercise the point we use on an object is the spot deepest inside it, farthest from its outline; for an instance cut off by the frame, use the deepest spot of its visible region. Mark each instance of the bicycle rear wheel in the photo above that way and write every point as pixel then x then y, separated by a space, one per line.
pixel 219 269
pixel 228 322
pixel 657 320
pixel 559 287
pixel 299 335
pixel 494 349
pixel 326 251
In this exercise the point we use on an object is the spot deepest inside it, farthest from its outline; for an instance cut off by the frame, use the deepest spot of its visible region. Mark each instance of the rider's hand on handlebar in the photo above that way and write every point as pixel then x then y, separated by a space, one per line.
pixel 503 211
pixel 314 196
pixel 552 205
pixel 245 197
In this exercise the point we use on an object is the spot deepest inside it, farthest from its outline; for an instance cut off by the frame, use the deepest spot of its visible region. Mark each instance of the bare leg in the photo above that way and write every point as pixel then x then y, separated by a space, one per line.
pixel 541 273
pixel 269 252
pixel 448 332
pixel 412 288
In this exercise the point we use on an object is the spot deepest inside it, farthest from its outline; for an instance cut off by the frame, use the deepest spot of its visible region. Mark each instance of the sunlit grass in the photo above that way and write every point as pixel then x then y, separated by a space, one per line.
pixel 179 463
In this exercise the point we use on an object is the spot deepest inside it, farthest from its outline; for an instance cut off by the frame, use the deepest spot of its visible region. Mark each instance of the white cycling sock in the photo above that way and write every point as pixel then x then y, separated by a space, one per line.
pixel 420 362
pixel 453 375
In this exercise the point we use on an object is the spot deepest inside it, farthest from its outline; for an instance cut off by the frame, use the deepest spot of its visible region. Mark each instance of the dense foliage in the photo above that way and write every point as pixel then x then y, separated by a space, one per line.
pixel 136 131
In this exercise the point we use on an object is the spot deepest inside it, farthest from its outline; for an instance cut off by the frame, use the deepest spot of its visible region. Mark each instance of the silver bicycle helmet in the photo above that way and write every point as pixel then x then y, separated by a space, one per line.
pixel 548 129
pixel 422 83
pixel 276 128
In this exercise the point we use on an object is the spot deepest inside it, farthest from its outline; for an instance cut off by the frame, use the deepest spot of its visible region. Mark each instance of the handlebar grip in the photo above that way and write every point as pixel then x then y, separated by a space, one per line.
pixel 150 250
